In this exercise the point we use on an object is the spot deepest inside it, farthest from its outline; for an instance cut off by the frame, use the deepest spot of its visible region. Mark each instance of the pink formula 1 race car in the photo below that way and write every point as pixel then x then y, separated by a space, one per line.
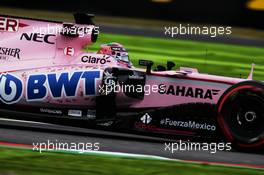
pixel 46 75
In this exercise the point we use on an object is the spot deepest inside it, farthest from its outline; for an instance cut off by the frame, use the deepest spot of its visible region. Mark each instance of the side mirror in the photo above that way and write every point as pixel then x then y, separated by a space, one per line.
pixel 161 68
pixel 146 63
pixel 83 18
pixel 170 65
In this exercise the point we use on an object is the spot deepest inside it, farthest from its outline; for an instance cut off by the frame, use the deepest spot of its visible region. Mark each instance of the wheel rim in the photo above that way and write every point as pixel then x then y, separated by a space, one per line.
pixel 245 118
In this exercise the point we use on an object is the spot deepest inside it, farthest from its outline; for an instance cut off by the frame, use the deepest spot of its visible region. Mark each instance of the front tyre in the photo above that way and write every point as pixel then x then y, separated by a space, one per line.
pixel 241 114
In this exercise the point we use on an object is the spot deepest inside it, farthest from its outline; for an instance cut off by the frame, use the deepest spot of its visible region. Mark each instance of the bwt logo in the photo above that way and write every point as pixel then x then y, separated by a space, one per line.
pixel 10 88
pixel 38 86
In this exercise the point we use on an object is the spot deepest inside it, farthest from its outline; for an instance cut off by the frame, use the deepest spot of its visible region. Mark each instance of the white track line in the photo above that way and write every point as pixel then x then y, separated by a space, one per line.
pixel 24 121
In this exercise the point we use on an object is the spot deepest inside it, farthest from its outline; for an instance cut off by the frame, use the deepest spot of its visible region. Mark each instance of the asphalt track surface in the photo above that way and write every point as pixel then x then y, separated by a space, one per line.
pixel 31 132
pixel 28 132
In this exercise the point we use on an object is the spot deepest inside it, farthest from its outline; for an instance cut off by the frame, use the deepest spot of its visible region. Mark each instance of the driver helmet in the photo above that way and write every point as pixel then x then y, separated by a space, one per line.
pixel 117 51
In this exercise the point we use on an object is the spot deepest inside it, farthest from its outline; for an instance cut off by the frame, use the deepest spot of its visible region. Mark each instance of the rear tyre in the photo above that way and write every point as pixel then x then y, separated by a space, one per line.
pixel 241 114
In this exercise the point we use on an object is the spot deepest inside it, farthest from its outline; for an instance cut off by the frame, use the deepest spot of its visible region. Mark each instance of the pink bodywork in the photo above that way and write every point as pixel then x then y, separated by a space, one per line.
pixel 65 54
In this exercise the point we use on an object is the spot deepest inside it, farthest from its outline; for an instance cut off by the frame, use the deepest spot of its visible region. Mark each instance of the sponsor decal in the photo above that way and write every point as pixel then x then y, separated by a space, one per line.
pixel 68 51
pixel 120 49
pixel 6 53
pixel 144 123
pixel 108 84
pixel 109 123
pixel 11 88
pixel 140 125
pixel 50 111
pixel 60 85
pixel 187 124
pixel 95 60
pixel 91 114
pixel 9 25
pixel 136 77
pixel 75 113
pixel 38 37
pixel 37 86
pixel 188 91
pixel 109 79
pixel 146 119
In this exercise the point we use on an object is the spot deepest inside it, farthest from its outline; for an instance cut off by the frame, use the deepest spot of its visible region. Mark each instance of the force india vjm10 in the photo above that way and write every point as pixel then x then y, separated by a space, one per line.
pixel 48 75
